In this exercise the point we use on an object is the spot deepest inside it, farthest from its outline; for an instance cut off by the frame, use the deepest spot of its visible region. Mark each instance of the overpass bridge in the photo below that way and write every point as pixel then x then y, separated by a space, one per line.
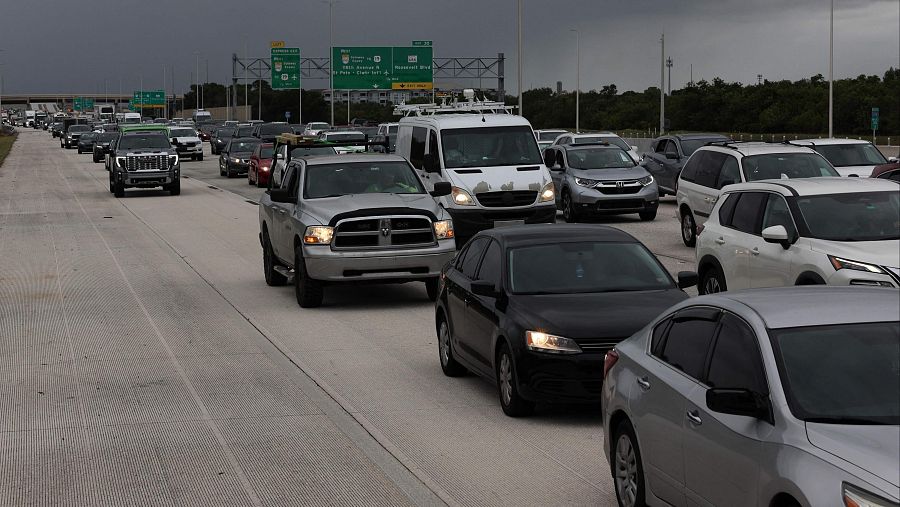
pixel 53 102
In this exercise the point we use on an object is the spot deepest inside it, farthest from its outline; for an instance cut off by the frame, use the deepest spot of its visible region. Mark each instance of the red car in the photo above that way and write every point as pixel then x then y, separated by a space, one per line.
pixel 261 165
pixel 889 171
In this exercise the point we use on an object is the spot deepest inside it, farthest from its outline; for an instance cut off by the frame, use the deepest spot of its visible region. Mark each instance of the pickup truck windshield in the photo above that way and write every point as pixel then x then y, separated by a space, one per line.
pixel 490 147
pixel 334 180
pixel 131 142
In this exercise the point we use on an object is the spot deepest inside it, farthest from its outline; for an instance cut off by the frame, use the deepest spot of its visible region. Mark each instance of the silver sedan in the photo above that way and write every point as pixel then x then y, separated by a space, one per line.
pixel 771 397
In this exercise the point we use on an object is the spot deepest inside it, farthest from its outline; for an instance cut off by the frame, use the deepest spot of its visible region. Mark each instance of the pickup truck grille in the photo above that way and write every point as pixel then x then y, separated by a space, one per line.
pixel 146 162
pixel 506 199
pixel 383 233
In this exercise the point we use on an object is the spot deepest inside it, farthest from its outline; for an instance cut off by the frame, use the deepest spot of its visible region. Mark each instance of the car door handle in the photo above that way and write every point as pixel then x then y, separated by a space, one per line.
pixel 694 417
pixel 755 251
pixel 644 383
pixel 720 241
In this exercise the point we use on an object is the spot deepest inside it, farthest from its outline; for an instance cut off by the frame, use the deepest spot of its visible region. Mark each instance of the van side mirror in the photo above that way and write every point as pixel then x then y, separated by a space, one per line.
pixel 777 234
pixel 483 288
pixel 281 195
pixel 429 164
pixel 740 402
pixel 441 188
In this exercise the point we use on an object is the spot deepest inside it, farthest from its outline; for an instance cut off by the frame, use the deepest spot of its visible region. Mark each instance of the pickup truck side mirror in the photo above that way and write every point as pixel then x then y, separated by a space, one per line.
pixel 429 164
pixel 281 195
pixel 441 188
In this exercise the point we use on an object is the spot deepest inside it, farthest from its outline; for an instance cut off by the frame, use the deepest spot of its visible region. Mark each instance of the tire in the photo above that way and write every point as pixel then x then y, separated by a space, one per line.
pixel 713 281
pixel 258 184
pixel 79 151
pixel 118 188
pixel 309 292
pixel 112 187
pixel 221 171
pixel 688 229
pixel 431 287
pixel 229 173
pixel 647 216
pixel 96 160
pixel 249 180
pixel 273 278
pixel 627 468
pixel 449 366
pixel 175 187
pixel 570 214
pixel 200 157
pixel 511 401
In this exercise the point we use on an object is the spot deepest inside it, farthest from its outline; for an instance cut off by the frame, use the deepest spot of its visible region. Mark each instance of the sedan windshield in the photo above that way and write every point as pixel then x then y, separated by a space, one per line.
pixel 490 147
pixel 182 133
pixel 863 216
pixel 131 142
pixel 845 155
pixel 107 137
pixel 266 152
pixel 222 133
pixel 599 158
pixel 88 136
pixel 774 166
pixel 244 131
pixel 79 128
pixel 841 374
pixel 333 180
pixel 566 268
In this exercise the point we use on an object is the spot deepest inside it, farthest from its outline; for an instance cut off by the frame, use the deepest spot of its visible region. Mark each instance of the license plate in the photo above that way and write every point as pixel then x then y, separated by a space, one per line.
pixel 508 223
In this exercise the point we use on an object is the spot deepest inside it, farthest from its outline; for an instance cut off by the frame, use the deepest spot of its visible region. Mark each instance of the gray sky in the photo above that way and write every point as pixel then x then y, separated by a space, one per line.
pixel 46 51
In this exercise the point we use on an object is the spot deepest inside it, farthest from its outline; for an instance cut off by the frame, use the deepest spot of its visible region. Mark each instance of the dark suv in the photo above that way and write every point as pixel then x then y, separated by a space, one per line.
pixel 143 158
pixel 269 131
pixel 668 154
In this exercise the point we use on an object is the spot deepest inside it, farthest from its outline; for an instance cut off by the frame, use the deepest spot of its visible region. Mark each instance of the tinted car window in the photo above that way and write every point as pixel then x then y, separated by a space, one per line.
pixel 658 333
pixel 433 147
pixel 687 343
pixel 417 147
pixel 775 166
pixel 747 212
pixel 730 172
pixel 689 172
pixel 708 171
pixel 736 362
pixel 726 210
pixel 469 264
pixel 491 265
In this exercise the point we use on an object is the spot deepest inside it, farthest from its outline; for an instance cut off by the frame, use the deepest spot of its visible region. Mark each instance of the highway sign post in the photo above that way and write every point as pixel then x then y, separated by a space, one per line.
pixel 383 68
pixel 149 98
pixel 874 123
pixel 285 65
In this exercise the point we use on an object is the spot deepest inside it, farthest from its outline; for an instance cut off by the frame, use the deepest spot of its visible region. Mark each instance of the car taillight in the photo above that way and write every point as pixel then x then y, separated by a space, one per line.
pixel 700 229
pixel 608 361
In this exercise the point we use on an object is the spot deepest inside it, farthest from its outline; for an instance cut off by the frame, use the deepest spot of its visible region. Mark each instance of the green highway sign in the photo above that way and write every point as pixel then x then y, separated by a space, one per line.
pixel 150 98
pixel 421 43
pixel 874 118
pixel 389 68
pixel 82 104
pixel 76 104
pixel 285 66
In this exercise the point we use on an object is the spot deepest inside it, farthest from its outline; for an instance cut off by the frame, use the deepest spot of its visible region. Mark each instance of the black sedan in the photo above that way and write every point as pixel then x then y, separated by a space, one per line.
pixel 234 159
pixel 86 142
pixel 534 308
pixel 101 144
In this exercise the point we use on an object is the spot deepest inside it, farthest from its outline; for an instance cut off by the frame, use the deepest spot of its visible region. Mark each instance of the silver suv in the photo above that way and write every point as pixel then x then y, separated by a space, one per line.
pixel 352 218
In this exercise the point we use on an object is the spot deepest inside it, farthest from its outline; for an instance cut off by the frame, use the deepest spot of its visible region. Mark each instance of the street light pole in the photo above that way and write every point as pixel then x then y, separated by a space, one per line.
pixel 662 84
pixel 197 83
pixel 831 75
pixel 669 63
pixel 520 54
pixel 331 56
pixel 577 80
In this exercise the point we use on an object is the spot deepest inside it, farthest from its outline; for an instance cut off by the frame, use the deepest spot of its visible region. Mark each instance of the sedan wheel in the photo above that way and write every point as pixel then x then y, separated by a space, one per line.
pixel 449 365
pixel 511 401
pixel 628 473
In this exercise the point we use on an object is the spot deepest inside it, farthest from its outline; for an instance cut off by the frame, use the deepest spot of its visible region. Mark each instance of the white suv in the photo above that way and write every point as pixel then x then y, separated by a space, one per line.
pixel 835 231
pixel 851 157
pixel 717 164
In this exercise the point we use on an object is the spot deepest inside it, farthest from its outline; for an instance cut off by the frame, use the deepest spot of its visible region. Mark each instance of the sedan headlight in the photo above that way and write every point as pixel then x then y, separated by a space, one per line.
pixel 461 197
pixel 585 182
pixel 318 235
pixel 443 229
pixel 548 193
pixel 543 342
pixel 840 263
pixel 235 159
pixel 646 180
pixel 855 497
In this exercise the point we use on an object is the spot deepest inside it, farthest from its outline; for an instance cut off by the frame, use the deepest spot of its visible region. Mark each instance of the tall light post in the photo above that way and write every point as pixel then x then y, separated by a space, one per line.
pixel 577 79
pixel 197 82
pixel 520 55
pixel 831 74
pixel 662 84
pixel 1 83
pixel 331 54
pixel 246 94
pixel 669 63
pixel 205 82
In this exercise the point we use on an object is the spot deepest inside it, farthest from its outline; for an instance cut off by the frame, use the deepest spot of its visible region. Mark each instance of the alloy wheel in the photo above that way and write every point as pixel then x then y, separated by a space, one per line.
pixel 626 471
pixel 444 344
pixel 712 285
pixel 505 379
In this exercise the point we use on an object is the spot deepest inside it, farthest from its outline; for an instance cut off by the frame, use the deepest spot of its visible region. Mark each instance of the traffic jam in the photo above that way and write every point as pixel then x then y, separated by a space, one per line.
pixel 768 369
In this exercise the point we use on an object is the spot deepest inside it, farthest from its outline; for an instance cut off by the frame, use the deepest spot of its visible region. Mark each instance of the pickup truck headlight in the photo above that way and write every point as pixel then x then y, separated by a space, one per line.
pixel 173 160
pixel 461 197
pixel 120 161
pixel 543 342
pixel 318 235
pixel 548 193
pixel 855 497
pixel 646 180
pixel 586 182
pixel 840 263
pixel 444 229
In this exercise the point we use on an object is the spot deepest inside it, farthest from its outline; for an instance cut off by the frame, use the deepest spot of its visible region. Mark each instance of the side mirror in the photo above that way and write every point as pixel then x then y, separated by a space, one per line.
pixel 777 234
pixel 482 288
pixel 430 164
pixel 441 188
pixel 671 156
pixel 281 195
pixel 549 158
pixel 687 279
pixel 740 402
pixel 893 160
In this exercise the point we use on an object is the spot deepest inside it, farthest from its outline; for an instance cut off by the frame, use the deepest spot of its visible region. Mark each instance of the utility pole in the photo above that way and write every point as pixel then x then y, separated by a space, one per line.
pixel 669 63
pixel 577 80
pixel 831 75
pixel 246 101
pixel 205 82
pixel 259 83
pixel 331 56
pixel 662 84
pixel 165 93
pixel 520 55
pixel 692 74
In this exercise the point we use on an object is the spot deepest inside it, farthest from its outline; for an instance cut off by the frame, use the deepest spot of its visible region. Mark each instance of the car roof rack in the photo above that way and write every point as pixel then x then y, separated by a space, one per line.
pixel 471 105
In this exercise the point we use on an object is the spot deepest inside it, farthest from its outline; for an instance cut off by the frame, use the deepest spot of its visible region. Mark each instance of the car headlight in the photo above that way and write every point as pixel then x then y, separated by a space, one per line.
pixel 461 197
pixel 543 342
pixel 585 182
pixel 855 497
pixel 548 193
pixel 120 161
pixel 318 235
pixel 840 263
pixel 646 180
pixel 443 229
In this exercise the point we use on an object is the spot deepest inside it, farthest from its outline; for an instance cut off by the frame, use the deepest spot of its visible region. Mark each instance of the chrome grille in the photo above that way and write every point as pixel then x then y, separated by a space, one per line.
pixel 383 232
pixel 619 187
pixel 598 344
pixel 146 162
pixel 506 199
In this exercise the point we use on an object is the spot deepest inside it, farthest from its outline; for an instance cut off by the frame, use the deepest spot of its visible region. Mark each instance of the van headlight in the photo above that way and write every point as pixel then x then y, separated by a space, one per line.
pixel 318 235
pixel 543 342
pixel 444 229
pixel 461 197
pixel 548 193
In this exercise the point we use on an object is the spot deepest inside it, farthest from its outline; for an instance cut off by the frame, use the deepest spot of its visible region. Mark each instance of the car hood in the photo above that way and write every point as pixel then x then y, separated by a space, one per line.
pixel 145 151
pixel 500 178
pixel 595 315
pixel 326 209
pixel 882 253
pixel 863 171
pixel 624 173
pixel 240 154
pixel 872 448
pixel 187 139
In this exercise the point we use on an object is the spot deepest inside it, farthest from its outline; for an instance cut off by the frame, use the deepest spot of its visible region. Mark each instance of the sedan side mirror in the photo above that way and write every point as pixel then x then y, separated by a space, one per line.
pixel 687 279
pixel 740 402
pixel 281 195
pixel 777 234
pixel 893 160
pixel 483 288
pixel 441 188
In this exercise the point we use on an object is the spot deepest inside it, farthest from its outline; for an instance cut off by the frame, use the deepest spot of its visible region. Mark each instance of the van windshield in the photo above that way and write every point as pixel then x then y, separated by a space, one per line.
pixel 489 147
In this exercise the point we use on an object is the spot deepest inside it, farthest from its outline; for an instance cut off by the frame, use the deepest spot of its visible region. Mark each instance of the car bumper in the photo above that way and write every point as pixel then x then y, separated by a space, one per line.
pixel 237 168
pixel 572 378
pixel 468 222
pixel 591 201
pixel 262 176
pixel 189 150
pixel 149 178
pixel 322 263
pixel 863 279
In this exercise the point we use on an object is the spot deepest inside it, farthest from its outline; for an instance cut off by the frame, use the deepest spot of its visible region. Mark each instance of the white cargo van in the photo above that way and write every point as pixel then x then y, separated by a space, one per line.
pixel 200 115
pixel 489 156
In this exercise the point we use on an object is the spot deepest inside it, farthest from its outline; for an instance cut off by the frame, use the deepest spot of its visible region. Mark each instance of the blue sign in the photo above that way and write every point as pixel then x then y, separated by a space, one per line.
pixel 287 115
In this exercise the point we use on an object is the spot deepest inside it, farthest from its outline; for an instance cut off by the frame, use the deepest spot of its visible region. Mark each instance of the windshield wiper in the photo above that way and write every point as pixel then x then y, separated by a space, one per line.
pixel 332 195
pixel 845 420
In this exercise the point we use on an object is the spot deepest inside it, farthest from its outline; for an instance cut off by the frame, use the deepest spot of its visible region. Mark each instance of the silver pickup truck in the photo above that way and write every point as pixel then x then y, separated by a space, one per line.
pixel 352 218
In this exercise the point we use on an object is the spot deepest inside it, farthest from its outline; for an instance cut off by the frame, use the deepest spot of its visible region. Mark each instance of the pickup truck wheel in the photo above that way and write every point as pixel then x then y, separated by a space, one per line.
pixel 200 157
pixel 309 292
pixel 431 287
pixel 119 188
pixel 273 278
pixel 175 187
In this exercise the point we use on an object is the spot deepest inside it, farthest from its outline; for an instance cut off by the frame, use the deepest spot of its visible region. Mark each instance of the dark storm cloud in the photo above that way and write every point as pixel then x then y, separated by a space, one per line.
pixel 56 46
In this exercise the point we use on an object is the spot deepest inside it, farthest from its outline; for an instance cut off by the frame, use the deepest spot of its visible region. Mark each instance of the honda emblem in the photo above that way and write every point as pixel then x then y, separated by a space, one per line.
pixel 620 184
